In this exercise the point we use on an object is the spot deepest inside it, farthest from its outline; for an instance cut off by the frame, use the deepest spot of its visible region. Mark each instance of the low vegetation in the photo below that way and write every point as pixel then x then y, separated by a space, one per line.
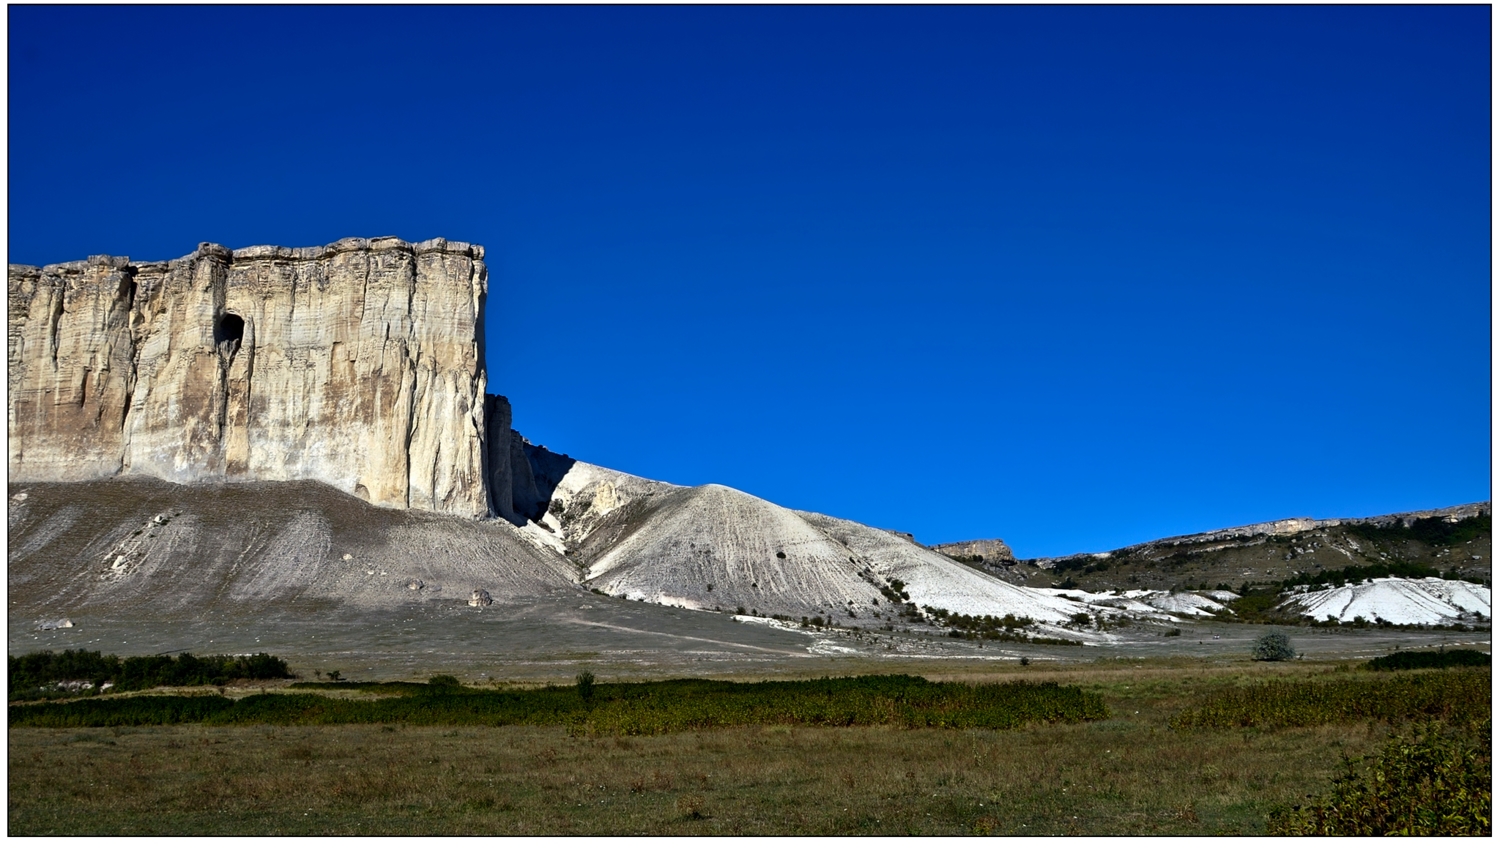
pixel 1459 695
pixel 1256 604
pixel 1409 660
pixel 1125 774
pixel 989 628
pixel 1430 531
pixel 1356 574
pixel 1434 781
pixel 615 708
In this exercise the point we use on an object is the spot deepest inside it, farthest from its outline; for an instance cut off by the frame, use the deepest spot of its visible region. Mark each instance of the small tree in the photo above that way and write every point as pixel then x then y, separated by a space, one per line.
pixel 585 684
pixel 1273 647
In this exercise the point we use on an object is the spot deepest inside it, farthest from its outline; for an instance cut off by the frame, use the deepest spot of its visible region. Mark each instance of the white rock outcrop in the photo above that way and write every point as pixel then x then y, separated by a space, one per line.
pixel 1397 600
pixel 359 364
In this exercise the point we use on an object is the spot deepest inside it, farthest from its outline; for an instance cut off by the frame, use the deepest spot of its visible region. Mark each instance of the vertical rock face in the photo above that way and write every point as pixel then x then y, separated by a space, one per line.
pixel 500 450
pixel 71 368
pixel 358 364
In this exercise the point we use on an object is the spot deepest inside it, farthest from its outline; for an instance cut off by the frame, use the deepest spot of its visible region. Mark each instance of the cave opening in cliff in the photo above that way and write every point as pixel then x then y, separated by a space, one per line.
pixel 228 332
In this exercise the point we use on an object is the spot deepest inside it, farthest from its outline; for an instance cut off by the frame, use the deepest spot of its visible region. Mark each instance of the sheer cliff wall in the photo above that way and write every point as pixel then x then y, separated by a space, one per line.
pixel 359 364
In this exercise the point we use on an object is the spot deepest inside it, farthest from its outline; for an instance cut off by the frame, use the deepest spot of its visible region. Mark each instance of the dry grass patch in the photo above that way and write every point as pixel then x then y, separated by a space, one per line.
pixel 1130 774
pixel 1111 777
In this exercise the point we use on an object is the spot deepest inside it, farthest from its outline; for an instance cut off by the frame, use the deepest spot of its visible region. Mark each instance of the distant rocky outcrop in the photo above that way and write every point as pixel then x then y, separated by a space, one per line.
pixel 359 364
pixel 980 550
pixel 1236 536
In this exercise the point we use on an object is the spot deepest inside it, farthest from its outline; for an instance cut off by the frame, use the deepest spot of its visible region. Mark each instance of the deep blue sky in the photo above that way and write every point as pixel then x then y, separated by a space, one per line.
pixel 1076 277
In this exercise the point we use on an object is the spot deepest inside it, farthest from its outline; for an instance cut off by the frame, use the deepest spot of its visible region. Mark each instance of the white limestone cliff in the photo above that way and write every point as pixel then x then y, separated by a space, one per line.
pixel 358 364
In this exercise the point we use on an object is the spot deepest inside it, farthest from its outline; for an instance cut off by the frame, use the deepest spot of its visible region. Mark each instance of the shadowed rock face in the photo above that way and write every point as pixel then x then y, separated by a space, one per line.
pixel 358 364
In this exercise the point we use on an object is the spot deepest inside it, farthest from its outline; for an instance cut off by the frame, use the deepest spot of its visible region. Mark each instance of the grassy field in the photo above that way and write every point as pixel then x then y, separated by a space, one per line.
pixel 1128 774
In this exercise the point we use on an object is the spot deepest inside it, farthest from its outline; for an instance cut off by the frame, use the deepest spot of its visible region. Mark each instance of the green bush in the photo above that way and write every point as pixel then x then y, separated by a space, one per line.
pixel 1430 783
pixel 1273 647
pixel 1404 660
pixel 585 684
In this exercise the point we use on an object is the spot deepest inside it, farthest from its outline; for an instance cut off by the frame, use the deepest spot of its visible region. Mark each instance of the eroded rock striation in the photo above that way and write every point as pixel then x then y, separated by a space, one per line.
pixel 359 364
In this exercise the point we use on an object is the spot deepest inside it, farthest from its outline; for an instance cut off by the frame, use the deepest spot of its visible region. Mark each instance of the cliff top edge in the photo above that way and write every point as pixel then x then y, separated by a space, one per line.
pixel 269 252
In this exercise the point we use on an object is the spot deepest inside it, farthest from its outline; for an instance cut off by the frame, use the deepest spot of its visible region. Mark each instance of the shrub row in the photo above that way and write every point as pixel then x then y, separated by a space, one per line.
pixel 989 628
pixel 32 674
pixel 618 708
pixel 1459 695
pixel 1405 660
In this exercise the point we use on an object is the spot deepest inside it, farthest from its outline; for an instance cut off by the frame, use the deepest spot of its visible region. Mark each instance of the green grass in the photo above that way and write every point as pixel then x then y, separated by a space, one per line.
pixel 1461 695
pixel 618 708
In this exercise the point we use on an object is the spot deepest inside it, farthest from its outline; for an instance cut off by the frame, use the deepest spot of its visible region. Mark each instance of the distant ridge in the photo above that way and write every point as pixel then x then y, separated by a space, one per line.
pixel 1281 527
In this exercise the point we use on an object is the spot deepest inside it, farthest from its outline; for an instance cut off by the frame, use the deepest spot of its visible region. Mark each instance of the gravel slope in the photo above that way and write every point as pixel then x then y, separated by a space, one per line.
pixel 144 546
pixel 754 554
pixel 667 544
pixel 932 579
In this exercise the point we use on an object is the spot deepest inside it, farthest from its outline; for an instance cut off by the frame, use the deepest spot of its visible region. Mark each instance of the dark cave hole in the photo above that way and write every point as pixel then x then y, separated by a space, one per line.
pixel 230 329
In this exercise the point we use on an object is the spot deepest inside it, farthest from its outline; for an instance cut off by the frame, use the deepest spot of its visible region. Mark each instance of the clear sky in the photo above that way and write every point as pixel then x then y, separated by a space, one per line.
pixel 1076 277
